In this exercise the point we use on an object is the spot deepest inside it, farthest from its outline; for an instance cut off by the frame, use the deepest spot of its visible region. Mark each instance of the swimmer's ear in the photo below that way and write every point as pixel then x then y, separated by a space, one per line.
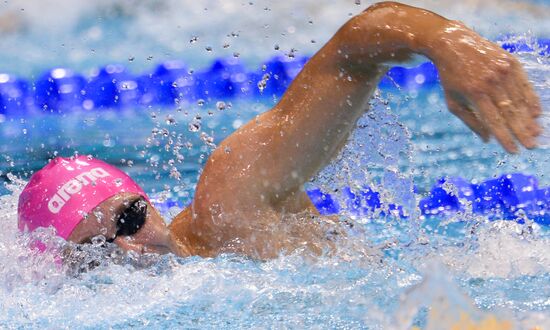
pixel 132 218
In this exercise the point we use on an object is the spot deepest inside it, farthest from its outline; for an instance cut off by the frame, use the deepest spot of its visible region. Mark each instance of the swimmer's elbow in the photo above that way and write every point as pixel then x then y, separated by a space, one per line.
pixel 382 14
pixel 382 5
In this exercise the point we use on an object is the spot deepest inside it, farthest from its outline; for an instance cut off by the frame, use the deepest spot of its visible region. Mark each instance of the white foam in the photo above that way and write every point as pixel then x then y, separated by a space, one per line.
pixel 498 249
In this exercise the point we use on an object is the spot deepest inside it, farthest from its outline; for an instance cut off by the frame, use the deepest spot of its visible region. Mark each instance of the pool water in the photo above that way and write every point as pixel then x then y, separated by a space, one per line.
pixel 386 275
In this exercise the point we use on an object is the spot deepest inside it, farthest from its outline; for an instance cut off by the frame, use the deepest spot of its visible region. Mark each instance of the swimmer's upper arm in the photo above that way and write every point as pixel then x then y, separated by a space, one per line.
pixel 272 156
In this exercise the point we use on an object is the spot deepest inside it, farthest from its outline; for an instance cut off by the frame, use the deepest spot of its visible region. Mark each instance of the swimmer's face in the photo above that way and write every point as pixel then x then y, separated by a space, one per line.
pixel 127 220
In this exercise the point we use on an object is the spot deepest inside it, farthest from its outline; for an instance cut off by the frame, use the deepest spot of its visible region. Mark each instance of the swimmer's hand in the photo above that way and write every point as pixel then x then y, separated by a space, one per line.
pixel 486 87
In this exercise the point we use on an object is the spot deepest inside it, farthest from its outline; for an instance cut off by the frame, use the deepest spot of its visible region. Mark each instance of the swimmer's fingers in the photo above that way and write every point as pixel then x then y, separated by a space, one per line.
pixel 468 117
pixel 532 100
pixel 517 116
pixel 525 91
pixel 524 97
pixel 519 103
pixel 496 123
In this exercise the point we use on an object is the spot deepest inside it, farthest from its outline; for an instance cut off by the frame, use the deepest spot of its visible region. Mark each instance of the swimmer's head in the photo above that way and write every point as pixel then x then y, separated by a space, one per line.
pixel 83 197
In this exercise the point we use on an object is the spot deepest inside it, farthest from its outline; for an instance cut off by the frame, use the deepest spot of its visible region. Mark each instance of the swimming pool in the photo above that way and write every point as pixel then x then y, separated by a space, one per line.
pixel 501 267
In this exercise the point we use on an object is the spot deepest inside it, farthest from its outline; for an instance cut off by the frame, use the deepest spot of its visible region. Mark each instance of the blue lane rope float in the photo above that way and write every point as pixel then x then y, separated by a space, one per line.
pixel 514 196
pixel 112 86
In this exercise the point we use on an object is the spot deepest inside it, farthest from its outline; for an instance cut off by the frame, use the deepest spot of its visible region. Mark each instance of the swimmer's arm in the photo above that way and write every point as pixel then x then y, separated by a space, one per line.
pixel 267 161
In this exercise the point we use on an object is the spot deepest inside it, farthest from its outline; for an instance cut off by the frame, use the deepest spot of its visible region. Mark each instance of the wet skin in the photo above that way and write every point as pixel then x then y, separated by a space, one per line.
pixel 254 180
pixel 152 237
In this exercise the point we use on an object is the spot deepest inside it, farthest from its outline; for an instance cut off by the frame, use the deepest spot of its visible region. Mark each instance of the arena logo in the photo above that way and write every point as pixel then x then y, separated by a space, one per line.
pixel 74 186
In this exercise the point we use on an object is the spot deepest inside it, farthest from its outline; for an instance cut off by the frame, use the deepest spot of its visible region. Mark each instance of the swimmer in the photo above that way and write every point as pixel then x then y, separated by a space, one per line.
pixel 251 191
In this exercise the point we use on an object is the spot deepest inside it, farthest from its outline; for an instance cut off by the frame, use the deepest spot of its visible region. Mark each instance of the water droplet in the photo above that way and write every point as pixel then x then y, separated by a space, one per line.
pixel 200 102
pixel 263 83
pixel 226 45
pixel 292 53
pixel 195 125
pixel 220 105
pixel 131 58
pixel 170 120
pixel 208 48
pixel 276 47
pixel 208 140
pixel 193 39
pixel 108 142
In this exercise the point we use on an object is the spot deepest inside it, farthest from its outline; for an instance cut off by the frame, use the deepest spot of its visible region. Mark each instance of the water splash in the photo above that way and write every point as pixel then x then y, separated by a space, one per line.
pixel 359 285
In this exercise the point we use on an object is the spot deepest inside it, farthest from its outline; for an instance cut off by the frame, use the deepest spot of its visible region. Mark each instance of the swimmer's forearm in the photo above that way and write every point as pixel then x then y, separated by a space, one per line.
pixel 364 48
pixel 389 32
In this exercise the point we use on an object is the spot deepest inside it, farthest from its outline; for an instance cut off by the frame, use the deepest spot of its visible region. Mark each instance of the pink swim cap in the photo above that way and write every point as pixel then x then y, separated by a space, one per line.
pixel 60 194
